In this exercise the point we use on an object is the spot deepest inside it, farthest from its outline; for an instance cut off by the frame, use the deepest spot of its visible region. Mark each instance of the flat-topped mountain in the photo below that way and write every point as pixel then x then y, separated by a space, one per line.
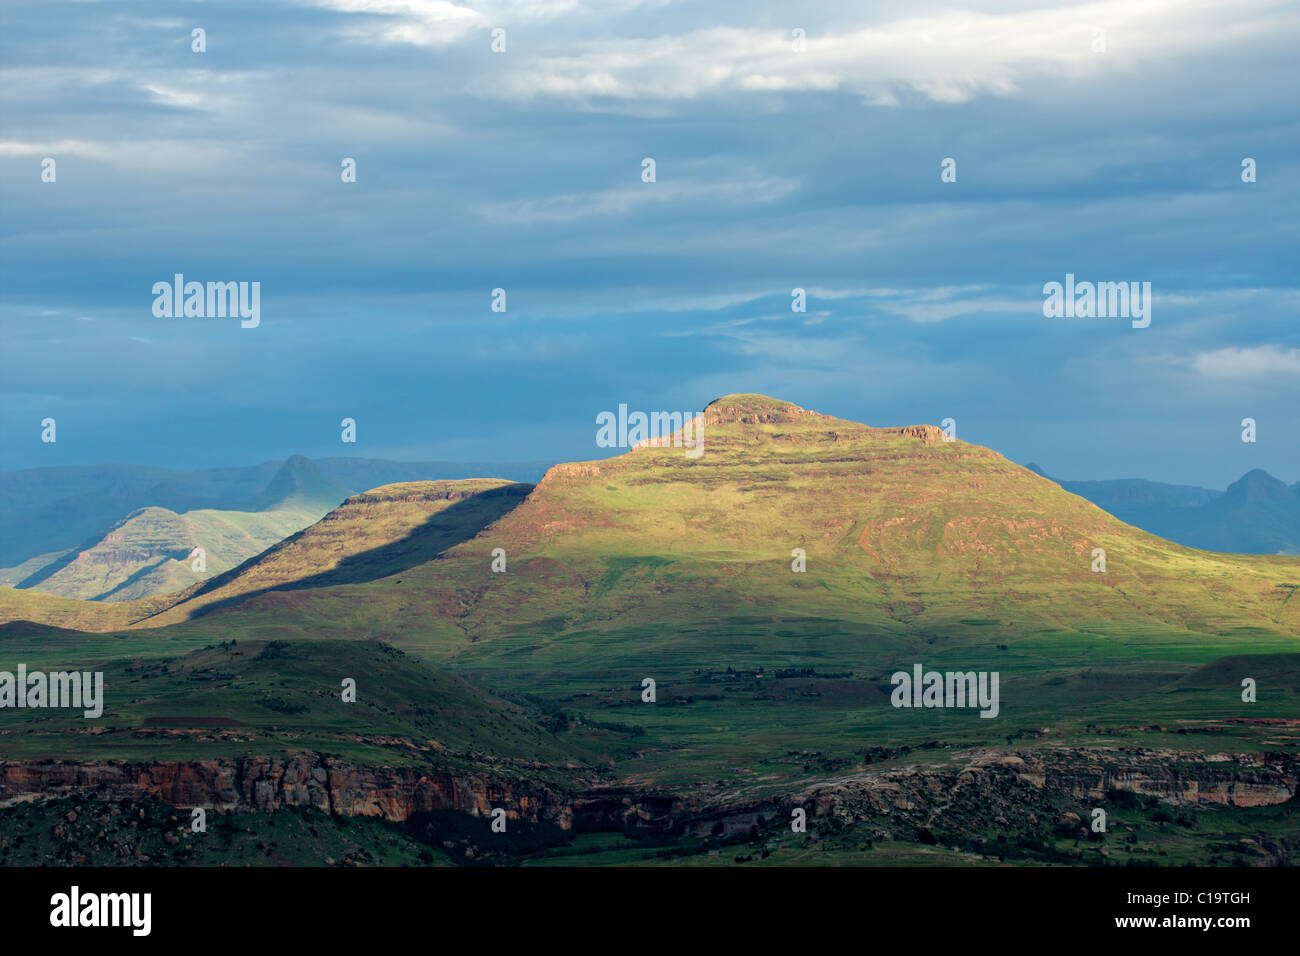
pixel 901 534
pixel 768 586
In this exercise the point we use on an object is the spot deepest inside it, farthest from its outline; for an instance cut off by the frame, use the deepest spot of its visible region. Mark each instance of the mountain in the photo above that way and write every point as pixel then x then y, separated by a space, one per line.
pixel 908 537
pixel 370 536
pixel 1257 515
pixel 375 534
pixel 126 533
pixel 51 510
pixel 904 533
pixel 151 551
pixel 45 512
pixel 299 483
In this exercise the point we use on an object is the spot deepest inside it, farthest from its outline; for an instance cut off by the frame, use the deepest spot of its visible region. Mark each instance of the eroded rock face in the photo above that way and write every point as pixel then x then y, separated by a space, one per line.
pixel 985 782
pixel 1030 787
pixel 927 433
pixel 991 781
pixel 1236 780
pixel 268 783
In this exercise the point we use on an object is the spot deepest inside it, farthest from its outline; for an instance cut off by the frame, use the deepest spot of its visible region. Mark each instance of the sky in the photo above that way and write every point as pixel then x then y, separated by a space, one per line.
pixel 795 145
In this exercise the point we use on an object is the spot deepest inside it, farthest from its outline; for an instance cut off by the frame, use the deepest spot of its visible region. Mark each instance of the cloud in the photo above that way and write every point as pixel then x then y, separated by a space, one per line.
pixel 412 22
pixel 746 187
pixel 945 56
pixel 172 97
pixel 63 147
pixel 522 170
pixel 1249 364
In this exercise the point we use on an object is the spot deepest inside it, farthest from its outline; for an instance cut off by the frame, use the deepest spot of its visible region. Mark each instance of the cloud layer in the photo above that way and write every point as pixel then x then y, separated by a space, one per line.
pixel 793 148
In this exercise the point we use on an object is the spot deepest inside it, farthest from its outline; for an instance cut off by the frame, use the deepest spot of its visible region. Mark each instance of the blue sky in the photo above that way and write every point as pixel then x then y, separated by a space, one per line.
pixel 775 169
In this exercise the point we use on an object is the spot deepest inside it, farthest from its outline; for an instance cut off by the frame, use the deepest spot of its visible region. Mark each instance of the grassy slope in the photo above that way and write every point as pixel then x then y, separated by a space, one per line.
pixel 280 697
pixel 371 535
pixel 148 553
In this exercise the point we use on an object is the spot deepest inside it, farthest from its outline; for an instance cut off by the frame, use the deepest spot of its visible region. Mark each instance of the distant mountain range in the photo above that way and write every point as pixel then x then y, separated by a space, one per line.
pixel 1256 515
pixel 120 532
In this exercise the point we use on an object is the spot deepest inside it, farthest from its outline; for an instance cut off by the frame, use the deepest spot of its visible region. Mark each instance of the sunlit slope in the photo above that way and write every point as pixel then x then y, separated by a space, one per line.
pixel 152 551
pixel 900 528
pixel 26 605
pixel 371 535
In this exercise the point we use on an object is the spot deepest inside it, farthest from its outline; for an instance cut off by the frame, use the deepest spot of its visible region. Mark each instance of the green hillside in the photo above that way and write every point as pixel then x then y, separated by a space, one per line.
pixel 45 512
pixel 371 535
pixel 279 697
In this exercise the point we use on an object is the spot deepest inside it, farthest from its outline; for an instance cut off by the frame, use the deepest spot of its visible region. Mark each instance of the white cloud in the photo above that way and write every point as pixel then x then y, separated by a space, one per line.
pixel 438 22
pixel 63 147
pixel 747 188
pixel 944 56
pixel 174 97
pixel 413 22
pixel 1259 362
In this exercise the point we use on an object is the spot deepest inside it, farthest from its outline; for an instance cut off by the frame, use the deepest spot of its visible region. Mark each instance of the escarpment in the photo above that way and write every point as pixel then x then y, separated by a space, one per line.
pixel 270 783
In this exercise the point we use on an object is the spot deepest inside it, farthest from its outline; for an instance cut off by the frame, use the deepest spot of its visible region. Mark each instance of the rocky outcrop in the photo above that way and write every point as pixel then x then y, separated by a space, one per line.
pixel 926 433
pixel 1028 786
pixel 974 787
pixel 754 410
pixel 984 779
pixel 269 783
pixel 1181 778
pixel 415 492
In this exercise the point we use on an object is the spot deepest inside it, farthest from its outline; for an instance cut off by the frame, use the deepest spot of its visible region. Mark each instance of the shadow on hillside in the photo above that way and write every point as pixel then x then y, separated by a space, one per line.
pixel 440 531
pixel 51 569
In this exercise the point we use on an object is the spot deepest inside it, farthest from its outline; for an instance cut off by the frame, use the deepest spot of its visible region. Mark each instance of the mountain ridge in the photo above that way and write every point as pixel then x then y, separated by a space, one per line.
pixel 1257 514
pixel 149 551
